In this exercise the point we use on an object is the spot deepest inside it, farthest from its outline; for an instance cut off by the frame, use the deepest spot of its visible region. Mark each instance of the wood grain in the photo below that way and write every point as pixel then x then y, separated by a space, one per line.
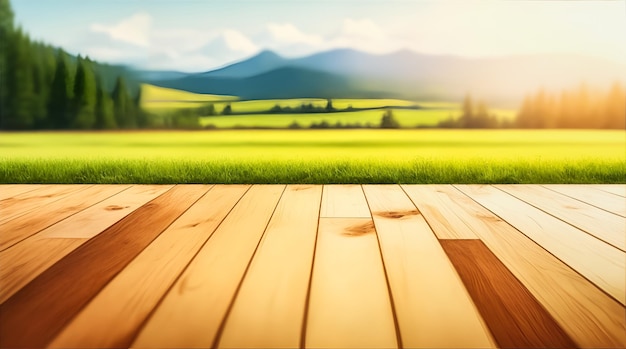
pixel 26 225
pixel 433 200
pixel 514 316
pixel 346 200
pixel 617 189
pixel 37 253
pixel 605 226
pixel 433 308
pixel 191 313
pixel 349 302
pixel 11 190
pixel 593 196
pixel 21 204
pixel 113 318
pixel 35 314
pixel 588 315
pixel 269 308
pixel 601 263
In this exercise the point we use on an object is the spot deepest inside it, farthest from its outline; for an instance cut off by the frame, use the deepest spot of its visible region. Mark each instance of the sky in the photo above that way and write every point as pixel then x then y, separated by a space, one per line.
pixel 200 35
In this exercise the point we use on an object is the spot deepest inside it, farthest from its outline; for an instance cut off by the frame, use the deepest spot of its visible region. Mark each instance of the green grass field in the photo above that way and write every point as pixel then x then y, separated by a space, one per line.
pixel 254 113
pixel 315 156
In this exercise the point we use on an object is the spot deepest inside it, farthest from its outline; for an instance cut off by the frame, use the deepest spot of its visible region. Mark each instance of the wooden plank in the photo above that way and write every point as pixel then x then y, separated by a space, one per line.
pixel 605 226
pixel 433 200
pixel 588 315
pixel 349 303
pixel 599 262
pixel 34 255
pixel 593 196
pixel 38 311
pixel 432 306
pixel 514 316
pixel 269 309
pixel 11 190
pixel 19 229
pixel 191 313
pixel 345 200
pixel 113 318
pixel 617 189
pixel 21 204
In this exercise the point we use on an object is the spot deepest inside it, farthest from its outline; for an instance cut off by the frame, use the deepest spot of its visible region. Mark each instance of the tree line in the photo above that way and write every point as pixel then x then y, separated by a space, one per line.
pixel 575 108
pixel 43 87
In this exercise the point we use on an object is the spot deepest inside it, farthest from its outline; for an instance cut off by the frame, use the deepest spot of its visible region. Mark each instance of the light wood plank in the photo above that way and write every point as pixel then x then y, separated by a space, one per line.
pixel 346 200
pixel 31 257
pixel 433 307
pixel 617 189
pixel 191 313
pixel 606 226
pixel 514 316
pixel 17 230
pixel 35 314
pixel 432 200
pixel 601 263
pixel 269 309
pixel 588 315
pixel 11 190
pixel 113 318
pixel 19 205
pixel 349 301
pixel 593 196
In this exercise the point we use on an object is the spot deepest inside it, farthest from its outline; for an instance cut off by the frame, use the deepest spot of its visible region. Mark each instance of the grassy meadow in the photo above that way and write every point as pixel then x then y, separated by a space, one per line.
pixel 254 113
pixel 315 156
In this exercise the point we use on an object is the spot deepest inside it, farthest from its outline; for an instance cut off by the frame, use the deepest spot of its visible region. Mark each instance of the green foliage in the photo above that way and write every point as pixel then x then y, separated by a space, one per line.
pixel 85 96
pixel 43 87
pixel 59 105
pixel 227 110
pixel 388 120
pixel 105 117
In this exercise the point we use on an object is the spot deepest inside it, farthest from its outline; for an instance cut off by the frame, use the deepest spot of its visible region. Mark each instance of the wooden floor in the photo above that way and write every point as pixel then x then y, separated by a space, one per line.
pixel 334 266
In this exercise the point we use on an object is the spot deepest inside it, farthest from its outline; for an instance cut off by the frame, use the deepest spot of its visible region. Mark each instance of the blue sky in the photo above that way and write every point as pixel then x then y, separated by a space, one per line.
pixel 197 35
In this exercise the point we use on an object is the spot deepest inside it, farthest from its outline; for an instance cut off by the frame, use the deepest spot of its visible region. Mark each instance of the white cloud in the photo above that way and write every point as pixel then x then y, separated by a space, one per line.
pixel 289 34
pixel 134 30
pixel 362 28
pixel 238 42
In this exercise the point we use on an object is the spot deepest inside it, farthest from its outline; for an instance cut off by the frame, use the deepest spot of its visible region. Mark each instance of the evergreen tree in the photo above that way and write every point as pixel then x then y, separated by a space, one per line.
pixel 615 107
pixel 329 105
pixel 6 31
pixel 467 118
pixel 120 103
pixel 19 83
pixel 105 117
pixel 85 95
pixel 60 99
pixel 388 120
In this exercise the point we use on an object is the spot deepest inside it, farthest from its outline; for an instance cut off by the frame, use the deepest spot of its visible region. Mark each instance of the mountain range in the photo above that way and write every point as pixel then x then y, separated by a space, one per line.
pixel 347 73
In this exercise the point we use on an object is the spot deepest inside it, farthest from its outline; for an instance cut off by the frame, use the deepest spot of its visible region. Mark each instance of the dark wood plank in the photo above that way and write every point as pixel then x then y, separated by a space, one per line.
pixel 36 313
pixel 514 316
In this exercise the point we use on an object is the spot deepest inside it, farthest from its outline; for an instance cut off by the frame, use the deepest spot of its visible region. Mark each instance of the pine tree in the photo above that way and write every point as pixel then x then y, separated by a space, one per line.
pixel 388 120
pixel 105 117
pixel 84 96
pixel 467 119
pixel 6 32
pixel 615 107
pixel 59 103
pixel 19 83
pixel 120 103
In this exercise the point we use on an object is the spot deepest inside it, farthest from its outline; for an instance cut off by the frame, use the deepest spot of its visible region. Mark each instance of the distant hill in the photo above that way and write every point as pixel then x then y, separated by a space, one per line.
pixel 286 82
pixel 402 74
